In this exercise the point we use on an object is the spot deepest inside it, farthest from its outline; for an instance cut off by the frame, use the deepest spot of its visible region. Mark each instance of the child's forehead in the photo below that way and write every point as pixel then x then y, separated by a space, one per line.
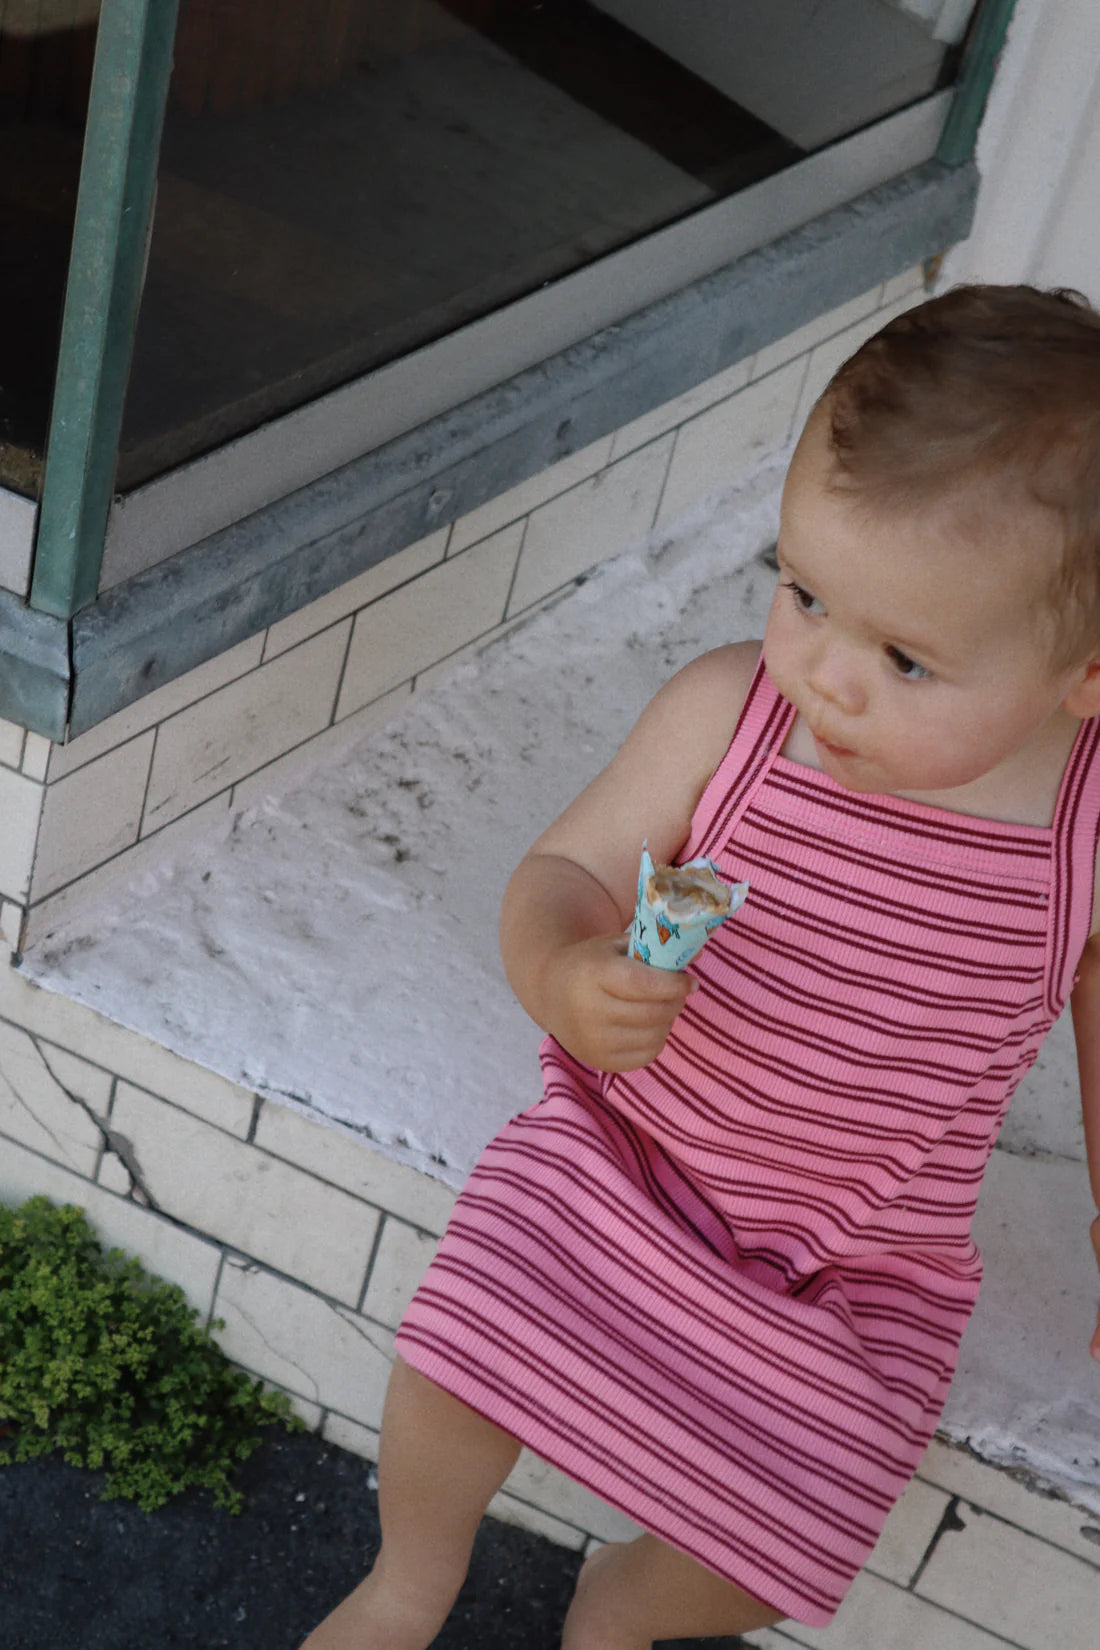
pixel 973 513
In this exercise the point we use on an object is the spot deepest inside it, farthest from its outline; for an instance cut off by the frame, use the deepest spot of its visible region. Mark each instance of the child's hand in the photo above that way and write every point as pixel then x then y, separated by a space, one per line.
pixel 608 1010
pixel 1094 1233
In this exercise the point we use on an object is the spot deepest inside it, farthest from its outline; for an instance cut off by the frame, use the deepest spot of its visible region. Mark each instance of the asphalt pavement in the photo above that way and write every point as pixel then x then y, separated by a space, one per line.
pixel 85 1574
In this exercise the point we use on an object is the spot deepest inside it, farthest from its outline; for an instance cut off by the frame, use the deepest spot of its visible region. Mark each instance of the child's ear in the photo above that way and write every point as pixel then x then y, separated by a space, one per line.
pixel 1083 698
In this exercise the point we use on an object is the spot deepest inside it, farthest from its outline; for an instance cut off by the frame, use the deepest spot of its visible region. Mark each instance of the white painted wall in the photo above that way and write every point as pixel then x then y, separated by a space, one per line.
pixel 17 521
pixel 1038 215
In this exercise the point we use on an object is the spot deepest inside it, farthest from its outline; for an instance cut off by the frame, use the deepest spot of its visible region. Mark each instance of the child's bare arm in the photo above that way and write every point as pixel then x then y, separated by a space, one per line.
pixel 571 898
pixel 1085 1004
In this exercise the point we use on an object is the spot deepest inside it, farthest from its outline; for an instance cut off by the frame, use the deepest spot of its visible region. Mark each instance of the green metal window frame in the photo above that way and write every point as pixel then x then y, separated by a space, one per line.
pixel 69 657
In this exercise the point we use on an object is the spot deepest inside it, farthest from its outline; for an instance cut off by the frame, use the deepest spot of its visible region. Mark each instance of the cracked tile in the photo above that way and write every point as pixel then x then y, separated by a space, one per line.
pixel 245 1198
pixel 35 1109
pixel 292 1337
pixel 164 1250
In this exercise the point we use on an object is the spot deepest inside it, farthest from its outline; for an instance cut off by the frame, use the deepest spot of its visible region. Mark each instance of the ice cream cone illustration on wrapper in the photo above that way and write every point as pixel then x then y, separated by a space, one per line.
pixel 678 907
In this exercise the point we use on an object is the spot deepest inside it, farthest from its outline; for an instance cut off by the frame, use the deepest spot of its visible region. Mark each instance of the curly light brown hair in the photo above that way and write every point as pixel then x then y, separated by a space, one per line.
pixel 999 384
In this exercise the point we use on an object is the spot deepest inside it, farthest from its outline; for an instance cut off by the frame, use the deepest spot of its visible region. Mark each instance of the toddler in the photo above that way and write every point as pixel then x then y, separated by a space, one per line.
pixel 720 1272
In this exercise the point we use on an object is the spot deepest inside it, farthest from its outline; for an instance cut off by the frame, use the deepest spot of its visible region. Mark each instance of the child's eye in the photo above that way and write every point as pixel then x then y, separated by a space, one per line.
pixel 803 600
pixel 905 666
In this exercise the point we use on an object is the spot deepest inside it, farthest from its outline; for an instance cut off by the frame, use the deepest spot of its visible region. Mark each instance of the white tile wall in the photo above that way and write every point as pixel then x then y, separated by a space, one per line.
pixel 878 1616
pixel 156 707
pixel 323 1352
pixel 1056 1521
pixel 11 745
pixel 596 519
pixel 359 592
pixel 20 811
pixel 163 1249
pixel 422 621
pixel 713 448
pixel 519 501
pixel 259 1204
pixel 241 727
pixel 147 1065
pixel 400 1262
pixel 92 814
pixel 35 1110
pixel 1009 1583
pixel 17 523
pixel 643 430
pixel 335 1155
pixel 291 770
pixel 36 756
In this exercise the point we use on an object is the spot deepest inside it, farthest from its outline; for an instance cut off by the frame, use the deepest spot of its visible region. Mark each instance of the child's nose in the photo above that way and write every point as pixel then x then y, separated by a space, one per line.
pixel 834 677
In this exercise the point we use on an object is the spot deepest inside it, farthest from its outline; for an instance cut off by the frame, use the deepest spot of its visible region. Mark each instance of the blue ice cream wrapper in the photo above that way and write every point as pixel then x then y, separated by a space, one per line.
pixel 660 940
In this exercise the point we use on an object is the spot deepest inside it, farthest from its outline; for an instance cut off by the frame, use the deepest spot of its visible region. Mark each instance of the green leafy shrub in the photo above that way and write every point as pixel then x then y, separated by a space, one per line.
pixel 109 1366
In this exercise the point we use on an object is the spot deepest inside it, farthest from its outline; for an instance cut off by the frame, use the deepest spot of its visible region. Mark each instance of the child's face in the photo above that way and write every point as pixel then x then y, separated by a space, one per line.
pixel 913 645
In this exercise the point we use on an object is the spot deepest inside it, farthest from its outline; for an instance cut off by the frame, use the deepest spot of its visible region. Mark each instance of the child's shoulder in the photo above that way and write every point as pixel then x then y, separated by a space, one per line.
pixel 704 700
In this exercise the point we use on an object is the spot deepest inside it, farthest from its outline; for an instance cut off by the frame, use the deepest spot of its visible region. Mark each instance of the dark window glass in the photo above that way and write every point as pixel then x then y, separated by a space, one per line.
pixel 46 51
pixel 344 180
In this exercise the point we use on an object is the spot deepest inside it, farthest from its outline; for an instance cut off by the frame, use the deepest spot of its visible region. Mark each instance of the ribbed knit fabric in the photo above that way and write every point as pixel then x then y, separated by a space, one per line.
pixel 726 1292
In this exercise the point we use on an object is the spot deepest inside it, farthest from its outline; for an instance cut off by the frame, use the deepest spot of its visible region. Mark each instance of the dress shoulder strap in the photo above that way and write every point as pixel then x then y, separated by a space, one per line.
pixel 1076 833
pixel 758 737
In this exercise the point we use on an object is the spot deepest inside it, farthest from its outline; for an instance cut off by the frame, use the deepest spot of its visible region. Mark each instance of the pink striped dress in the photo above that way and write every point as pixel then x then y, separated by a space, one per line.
pixel 726 1292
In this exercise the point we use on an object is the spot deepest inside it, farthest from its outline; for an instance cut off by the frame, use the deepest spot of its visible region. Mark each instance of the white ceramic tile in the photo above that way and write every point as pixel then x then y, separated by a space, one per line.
pixel 827 357
pixel 534 1481
pixel 53 910
pixel 156 706
pixel 714 449
pixel 292 1337
pixel 91 815
pixel 510 1511
pixel 351 1435
pixel 399 1264
pixel 958 1472
pixel 11 923
pixel 20 810
pixel 358 592
pixel 89 1082
pixel 35 1109
pixel 114 1176
pixel 336 1155
pixel 1014 1584
pixel 127 1053
pixel 907 1532
pixel 876 1615
pixel 163 1249
pixel 429 679
pixel 17 523
pixel 36 756
pixel 11 746
pixel 423 621
pixel 209 746
pixel 292 770
pixel 519 501
pixel 807 337
pixel 146 1064
pixel 243 1197
pixel 604 515
pixel 904 285
pixel 682 407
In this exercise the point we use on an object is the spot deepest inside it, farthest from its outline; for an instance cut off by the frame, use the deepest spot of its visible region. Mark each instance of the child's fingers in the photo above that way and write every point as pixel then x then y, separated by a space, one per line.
pixel 633 981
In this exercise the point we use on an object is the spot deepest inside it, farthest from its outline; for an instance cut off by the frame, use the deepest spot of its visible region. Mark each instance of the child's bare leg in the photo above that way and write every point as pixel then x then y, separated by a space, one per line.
pixel 440 1464
pixel 630 1593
